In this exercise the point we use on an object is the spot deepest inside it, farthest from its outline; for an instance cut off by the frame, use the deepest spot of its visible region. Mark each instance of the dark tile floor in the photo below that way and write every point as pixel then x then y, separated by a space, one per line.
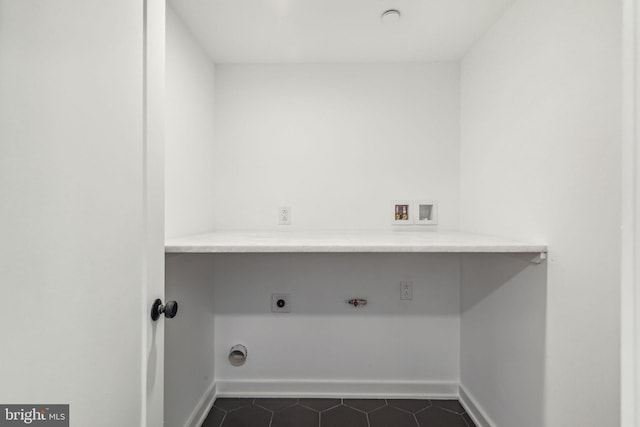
pixel 337 413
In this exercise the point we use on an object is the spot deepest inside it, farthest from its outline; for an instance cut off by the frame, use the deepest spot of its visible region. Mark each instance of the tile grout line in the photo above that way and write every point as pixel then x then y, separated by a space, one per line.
pixel 465 421
pixel 406 411
pixel 450 410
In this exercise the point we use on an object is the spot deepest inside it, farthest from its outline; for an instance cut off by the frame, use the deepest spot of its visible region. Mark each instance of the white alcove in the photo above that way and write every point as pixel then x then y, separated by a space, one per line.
pixel 504 112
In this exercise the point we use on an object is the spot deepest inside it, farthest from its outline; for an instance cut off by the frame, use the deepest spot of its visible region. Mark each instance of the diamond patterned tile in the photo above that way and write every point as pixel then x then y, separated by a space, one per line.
pixel 452 405
pixel 438 417
pixel 411 405
pixel 229 404
pixel 249 416
pixel 388 416
pixel 320 404
pixel 366 405
pixel 275 404
pixel 343 416
pixel 295 416
pixel 214 419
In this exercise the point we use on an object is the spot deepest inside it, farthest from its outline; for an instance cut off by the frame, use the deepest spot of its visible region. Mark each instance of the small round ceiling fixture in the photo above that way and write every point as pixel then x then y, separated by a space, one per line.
pixel 391 15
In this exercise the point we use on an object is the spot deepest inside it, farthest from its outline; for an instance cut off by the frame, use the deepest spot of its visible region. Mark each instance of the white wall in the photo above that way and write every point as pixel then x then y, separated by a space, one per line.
pixel 540 160
pixel 630 289
pixel 502 337
pixel 71 211
pixel 189 361
pixel 324 340
pixel 337 143
pixel 189 133
pixel 189 349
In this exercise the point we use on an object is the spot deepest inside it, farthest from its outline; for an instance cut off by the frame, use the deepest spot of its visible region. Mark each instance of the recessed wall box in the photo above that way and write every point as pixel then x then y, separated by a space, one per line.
pixel 401 212
pixel 425 212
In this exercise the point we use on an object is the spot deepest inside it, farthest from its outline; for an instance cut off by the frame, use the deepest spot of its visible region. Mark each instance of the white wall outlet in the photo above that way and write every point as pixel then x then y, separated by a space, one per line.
pixel 280 303
pixel 406 290
pixel 284 215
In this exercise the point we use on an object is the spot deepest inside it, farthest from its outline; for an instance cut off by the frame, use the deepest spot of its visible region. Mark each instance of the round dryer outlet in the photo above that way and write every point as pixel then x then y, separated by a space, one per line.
pixel 280 303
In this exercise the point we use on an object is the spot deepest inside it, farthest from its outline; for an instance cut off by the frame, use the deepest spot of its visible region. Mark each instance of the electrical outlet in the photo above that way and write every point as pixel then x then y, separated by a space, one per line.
pixel 406 290
pixel 284 215
pixel 280 303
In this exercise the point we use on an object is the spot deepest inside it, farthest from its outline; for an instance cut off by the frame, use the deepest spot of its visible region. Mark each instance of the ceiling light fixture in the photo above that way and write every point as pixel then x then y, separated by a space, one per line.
pixel 391 15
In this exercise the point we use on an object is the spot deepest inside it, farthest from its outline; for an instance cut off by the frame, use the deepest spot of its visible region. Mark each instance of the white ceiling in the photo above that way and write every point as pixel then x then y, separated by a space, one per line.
pixel 259 31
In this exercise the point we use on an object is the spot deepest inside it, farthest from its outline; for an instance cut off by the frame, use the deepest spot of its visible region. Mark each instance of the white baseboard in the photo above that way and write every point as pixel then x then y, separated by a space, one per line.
pixel 333 389
pixel 474 409
pixel 200 412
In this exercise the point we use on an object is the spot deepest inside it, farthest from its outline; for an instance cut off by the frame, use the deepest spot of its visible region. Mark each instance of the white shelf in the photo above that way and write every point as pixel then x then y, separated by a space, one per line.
pixel 375 241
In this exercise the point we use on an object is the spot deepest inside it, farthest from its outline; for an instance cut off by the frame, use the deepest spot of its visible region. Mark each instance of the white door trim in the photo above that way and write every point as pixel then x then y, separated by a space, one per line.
pixel 630 259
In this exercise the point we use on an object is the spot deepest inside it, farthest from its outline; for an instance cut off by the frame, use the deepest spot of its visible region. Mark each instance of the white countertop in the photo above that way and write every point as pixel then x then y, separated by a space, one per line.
pixel 373 241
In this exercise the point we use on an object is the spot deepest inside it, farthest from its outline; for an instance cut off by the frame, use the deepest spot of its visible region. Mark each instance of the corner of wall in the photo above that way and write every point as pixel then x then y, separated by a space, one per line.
pixel 190 132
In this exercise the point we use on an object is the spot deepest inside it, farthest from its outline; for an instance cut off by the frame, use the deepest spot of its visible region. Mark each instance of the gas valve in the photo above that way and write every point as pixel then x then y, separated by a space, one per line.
pixel 356 302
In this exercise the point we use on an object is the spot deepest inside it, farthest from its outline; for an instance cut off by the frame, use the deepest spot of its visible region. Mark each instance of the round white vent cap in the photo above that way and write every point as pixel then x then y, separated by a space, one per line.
pixel 391 15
